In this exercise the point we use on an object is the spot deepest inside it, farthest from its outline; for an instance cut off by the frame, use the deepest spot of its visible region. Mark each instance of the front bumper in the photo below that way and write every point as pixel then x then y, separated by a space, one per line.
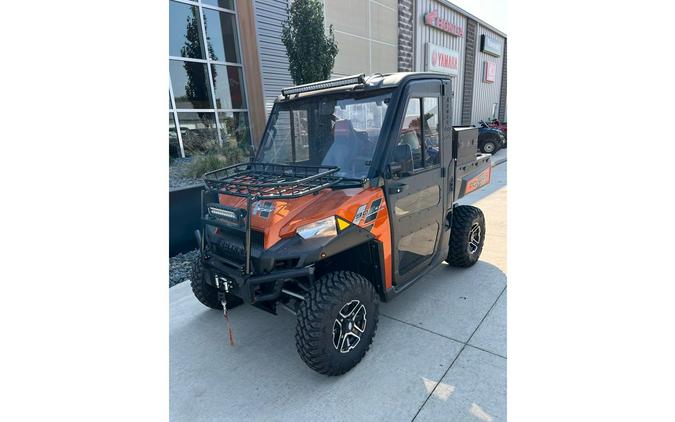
pixel 251 288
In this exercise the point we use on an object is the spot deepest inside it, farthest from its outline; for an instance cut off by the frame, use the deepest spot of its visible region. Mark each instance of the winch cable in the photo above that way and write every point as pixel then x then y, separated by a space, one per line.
pixel 230 336
pixel 223 301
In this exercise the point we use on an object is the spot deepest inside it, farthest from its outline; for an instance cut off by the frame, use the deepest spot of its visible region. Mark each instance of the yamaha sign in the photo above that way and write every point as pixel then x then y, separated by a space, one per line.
pixel 441 59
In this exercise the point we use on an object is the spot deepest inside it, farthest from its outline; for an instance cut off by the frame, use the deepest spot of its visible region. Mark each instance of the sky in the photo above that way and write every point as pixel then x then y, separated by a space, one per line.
pixel 490 11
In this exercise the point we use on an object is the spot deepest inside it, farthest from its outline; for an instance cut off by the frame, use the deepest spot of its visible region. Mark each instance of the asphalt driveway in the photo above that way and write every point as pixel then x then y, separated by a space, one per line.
pixel 439 353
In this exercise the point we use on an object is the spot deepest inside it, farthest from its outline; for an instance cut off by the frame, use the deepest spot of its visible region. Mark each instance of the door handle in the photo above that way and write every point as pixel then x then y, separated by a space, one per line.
pixel 398 188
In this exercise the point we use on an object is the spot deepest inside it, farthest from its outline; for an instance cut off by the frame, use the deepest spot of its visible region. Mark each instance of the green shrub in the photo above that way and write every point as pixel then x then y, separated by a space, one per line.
pixel 201 164
pixel 214 159
pixel 199 141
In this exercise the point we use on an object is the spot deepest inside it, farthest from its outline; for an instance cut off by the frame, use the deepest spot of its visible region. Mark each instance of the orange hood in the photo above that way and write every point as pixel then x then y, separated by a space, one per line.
pixel 280 218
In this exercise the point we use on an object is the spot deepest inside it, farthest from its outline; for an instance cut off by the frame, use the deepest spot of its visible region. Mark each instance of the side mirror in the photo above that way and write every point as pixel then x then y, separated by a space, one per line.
pixel 403 161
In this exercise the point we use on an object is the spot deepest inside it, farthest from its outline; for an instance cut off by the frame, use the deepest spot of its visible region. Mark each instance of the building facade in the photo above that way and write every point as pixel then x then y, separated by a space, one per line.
pixel 447 39
pixel 227 63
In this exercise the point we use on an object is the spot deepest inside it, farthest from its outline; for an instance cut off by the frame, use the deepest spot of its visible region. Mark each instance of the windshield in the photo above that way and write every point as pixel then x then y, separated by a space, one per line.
pixel 332 130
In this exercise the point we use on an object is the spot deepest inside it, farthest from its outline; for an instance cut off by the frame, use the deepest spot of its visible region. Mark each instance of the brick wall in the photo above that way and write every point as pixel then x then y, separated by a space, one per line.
pixel 405 35
pixel 469 71
pixel 502 94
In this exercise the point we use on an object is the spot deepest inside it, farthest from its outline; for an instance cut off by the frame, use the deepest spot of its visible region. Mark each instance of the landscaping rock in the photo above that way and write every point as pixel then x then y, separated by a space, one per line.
pixel 177 174
pixel 180 267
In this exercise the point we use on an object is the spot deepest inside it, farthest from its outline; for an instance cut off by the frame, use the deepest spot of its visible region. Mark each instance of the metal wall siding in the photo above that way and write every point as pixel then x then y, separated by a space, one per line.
pixel 486 94
pixel 427 33
pixel 502 94
pixel 469 71
pixel 269 15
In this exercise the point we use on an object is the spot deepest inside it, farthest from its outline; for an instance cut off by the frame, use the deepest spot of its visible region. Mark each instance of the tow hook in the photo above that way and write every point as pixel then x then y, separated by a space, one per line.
pixel 223 289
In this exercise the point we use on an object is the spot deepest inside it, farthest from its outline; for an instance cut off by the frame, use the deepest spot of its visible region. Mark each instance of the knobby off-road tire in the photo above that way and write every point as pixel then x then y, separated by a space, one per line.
pixel 205 293
pixel 467 236
pixel 321 316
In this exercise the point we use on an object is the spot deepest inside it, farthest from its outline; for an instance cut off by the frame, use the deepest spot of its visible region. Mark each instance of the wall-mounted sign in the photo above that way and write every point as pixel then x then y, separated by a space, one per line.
pixel 490 46
pixel 441 59
pixel 489 72
pixel 432 19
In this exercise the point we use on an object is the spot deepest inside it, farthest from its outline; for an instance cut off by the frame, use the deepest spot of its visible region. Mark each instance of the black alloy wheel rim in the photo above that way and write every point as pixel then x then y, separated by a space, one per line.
pixel 349 326
pixel 474 238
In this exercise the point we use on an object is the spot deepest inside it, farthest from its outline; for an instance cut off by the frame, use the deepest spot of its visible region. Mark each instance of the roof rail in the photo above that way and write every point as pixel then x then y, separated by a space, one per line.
pixel 331 83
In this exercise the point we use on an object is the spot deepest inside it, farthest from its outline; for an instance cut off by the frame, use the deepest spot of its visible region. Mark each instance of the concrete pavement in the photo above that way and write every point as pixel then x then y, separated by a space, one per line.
pixel 499 157
pixel 439 352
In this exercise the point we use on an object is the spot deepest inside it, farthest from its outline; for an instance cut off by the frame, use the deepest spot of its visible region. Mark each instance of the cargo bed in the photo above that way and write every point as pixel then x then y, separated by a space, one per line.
pixel 472 168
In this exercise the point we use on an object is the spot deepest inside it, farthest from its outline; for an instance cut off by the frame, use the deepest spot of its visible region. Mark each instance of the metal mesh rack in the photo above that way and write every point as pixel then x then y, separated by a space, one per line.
pixel 258 181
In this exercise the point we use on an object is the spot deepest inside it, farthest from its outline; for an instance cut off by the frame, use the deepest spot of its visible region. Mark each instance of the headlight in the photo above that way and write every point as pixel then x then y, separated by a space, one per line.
pixel 320 228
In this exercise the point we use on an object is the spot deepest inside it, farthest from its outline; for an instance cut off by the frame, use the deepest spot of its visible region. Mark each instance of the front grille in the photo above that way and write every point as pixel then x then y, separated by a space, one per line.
pixel 230 243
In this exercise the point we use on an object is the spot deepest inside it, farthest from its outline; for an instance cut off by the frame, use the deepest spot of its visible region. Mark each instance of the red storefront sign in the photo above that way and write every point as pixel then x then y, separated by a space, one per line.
pixel 490 72
pixel 432 19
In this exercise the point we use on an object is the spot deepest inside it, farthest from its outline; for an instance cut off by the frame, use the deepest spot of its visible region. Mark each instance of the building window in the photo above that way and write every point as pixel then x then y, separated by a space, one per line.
pixel 189 81
pixel 221 31
pixel 228 83
pixel 199 132
pixel 174 145
pixel 225 4
pixel 207 94
pixel 234 129
pixel 184 39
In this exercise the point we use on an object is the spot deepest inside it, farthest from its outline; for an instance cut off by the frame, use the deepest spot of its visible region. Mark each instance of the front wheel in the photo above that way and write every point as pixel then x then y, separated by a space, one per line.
pixel 467 236
pixel 337 322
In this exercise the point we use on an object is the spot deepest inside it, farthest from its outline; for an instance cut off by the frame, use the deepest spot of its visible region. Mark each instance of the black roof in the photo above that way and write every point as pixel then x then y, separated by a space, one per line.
pixel 374 81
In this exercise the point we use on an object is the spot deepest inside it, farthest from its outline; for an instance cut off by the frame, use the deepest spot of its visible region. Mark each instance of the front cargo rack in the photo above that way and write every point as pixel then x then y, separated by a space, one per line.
pixel 271 181
pixel 260 181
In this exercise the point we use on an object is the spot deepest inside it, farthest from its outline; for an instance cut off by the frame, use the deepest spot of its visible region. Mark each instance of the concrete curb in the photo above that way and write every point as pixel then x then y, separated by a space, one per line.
pixel 499 161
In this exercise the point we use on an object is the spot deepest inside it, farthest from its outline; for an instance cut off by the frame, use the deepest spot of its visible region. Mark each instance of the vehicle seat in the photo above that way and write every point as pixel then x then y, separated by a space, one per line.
pixel 344 141
pixel 410 138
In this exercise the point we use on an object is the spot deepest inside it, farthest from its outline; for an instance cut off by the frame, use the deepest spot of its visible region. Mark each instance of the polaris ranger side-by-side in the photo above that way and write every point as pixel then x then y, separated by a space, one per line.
pixel 349 200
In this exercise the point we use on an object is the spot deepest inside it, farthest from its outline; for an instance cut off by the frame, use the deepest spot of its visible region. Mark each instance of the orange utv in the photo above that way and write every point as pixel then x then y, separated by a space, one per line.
pixel 350 199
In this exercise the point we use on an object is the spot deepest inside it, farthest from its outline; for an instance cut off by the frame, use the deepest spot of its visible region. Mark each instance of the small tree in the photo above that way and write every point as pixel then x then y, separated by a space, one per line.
pixel 311 53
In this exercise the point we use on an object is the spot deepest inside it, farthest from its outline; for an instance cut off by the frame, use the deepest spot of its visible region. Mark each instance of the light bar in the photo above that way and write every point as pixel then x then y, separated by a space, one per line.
pixel 332 83
pixel 222 213
pixel 217 210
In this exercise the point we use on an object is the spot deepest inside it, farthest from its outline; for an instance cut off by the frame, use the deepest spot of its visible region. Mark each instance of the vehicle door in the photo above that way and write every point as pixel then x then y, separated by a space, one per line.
pixel 414 179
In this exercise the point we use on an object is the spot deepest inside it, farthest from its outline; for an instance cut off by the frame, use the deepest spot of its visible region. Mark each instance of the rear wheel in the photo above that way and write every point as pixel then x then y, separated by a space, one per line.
pixel 489 147
pixel 337 322
pixel 467 236
pixel 205 293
